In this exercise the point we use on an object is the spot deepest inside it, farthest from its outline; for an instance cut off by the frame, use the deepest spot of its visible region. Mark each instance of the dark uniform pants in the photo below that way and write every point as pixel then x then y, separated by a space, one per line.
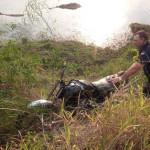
pixel 146 90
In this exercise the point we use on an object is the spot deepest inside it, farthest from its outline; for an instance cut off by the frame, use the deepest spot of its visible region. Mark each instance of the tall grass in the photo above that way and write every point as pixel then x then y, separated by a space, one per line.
pixel 124 125
pixel 29 71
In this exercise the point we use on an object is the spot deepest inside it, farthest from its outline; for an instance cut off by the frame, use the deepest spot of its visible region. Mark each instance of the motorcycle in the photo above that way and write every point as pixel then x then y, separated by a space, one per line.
pixel 79 93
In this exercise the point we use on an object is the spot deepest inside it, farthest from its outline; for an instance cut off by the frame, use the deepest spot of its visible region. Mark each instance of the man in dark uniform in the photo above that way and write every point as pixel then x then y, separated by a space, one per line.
pixel 141 43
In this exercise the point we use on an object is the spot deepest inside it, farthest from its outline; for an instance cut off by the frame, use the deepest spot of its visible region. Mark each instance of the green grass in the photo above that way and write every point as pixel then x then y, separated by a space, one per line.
pixel 121 125
pixel 29 70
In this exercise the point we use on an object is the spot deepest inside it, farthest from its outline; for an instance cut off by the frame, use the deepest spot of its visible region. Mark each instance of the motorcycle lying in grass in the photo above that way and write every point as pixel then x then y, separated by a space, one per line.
pixel 78 93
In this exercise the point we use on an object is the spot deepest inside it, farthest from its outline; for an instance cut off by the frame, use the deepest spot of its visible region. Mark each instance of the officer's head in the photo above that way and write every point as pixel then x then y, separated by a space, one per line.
pixel 139 39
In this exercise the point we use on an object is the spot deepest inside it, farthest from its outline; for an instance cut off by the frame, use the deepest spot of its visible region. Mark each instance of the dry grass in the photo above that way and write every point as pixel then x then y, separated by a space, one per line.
pixel 122 123
pixel 125 125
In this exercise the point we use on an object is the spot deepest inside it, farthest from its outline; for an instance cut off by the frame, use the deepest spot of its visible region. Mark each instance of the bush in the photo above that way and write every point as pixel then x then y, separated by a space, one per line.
pixel 131 53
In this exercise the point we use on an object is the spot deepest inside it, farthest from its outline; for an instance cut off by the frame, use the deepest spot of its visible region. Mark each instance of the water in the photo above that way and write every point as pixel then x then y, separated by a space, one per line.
pixel 94 22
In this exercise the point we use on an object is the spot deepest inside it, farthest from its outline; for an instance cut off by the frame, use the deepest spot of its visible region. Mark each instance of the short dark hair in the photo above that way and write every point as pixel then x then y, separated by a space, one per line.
pixel 142 34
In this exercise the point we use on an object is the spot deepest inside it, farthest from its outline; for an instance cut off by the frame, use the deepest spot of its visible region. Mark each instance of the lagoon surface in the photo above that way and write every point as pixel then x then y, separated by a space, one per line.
pixel 94 22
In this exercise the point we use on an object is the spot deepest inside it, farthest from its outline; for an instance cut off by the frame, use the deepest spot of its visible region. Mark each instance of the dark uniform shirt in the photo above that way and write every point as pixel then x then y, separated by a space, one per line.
pixel 144 56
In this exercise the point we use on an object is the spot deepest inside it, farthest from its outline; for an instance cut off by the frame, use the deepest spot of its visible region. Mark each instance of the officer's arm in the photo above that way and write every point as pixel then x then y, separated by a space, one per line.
pixel 135 67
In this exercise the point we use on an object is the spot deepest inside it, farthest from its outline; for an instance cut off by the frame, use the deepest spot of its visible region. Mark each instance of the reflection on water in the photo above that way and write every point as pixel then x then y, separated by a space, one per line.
pixel 94 22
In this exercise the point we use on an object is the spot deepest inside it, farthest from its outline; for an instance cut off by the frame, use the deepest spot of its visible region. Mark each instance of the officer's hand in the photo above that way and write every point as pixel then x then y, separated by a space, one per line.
pixel 114 80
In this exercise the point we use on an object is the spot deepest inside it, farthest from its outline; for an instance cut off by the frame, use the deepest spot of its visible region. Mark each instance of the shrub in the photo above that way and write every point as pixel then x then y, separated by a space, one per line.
pixel 131 54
